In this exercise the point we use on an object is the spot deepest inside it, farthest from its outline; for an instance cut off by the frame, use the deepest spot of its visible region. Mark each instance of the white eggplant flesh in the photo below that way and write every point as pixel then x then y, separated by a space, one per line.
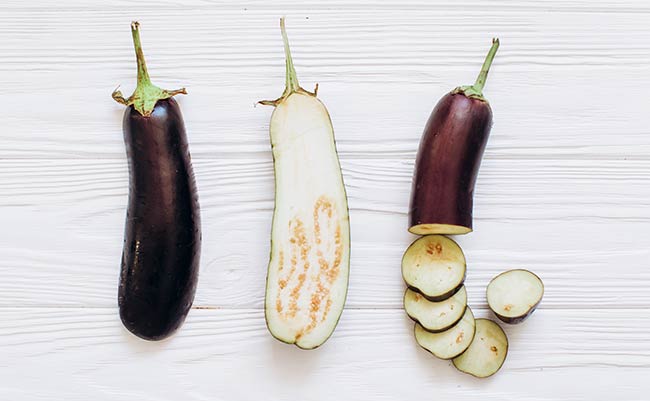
pixel 514 295
pixel 434 266
pixel 487 352
pixel 308 271
pixel 435 316
pixel 450 343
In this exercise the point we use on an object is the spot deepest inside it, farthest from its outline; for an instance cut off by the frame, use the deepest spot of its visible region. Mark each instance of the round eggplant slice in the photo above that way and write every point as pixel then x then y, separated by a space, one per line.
pixel 435 316
pixel 434 266
pixel 486 353
pixel 514 295
pixel 451 343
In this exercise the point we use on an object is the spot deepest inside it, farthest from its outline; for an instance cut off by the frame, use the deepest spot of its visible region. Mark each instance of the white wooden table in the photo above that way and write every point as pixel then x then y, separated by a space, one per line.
pixel 564 190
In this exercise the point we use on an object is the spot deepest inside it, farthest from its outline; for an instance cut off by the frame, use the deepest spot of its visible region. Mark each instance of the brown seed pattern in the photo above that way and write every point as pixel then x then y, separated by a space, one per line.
pixel 299 250
pixel 325 246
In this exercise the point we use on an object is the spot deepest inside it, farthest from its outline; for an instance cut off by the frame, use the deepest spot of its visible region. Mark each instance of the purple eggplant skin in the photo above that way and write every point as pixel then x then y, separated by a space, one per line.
pixel 160 259
pixel 162 237
pixel 448 161
pixel 449 158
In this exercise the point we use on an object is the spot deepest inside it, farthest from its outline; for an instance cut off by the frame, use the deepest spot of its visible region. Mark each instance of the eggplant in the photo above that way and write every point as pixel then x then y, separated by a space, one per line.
pixel 487 352
pixel 435 316
pixel 450 343
pixel 449 157
pixel 514 295
pixel 434 266
pixel 162 239
pixel 308 271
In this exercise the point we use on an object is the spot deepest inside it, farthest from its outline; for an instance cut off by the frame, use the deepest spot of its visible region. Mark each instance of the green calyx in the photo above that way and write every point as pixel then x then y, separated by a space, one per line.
pixel 146 94
pixel 291 85
pixel 476 91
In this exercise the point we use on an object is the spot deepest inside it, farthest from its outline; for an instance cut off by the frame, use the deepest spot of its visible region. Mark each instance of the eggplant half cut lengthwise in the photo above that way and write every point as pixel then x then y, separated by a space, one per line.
pixel 434 266
pixel 308 270
pixel 514 295
pixel 449 157
pixel 162 240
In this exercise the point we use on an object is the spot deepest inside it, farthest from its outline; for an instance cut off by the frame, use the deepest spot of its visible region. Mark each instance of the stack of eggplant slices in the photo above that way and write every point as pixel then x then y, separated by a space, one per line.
pixel 434 266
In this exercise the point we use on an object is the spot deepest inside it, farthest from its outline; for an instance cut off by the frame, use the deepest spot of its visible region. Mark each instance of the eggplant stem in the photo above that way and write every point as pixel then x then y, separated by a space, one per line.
pixel 291 83
pixel 476 91
pixel 146 94
pixel 482 76
pixel 143 73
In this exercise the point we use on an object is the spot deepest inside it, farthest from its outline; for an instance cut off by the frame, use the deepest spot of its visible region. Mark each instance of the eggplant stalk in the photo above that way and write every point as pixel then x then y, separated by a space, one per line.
pixel 146 94
pixel 476 91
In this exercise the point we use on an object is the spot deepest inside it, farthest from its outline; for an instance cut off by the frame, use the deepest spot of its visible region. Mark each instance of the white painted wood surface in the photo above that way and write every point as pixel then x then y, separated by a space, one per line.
pixel 564 190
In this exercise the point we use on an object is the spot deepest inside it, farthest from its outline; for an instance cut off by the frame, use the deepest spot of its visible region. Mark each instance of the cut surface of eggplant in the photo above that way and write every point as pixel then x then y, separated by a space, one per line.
pixel 487 352
pixel 450 343
pixel 435 316
pixel 434 266
pixel 308 271
pixel 514 295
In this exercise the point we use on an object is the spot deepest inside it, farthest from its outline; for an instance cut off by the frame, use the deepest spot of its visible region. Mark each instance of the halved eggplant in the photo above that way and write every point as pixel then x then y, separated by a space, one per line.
pixel 487 352
pixel 434 266
pixel 435 316
pixel 450 343
pixel 514 295
pixel 307 278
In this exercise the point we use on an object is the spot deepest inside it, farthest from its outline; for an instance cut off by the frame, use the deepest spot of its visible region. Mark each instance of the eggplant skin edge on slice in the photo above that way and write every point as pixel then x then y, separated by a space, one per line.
pixel 502 302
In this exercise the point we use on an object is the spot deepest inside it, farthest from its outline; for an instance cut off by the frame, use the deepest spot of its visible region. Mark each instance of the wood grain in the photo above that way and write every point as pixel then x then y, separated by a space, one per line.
pixel 563 190
pixel 223 354
pixel 68 218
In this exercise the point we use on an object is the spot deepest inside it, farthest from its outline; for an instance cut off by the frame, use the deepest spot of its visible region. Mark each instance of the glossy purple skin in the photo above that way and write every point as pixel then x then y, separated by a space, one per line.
pixel 162 240
pixel 448 160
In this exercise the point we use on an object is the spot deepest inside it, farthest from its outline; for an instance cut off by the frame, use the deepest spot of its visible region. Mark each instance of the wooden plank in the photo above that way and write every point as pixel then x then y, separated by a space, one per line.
pixel 60 254
pixel 65 223
pixel 223 355
pixel 381 70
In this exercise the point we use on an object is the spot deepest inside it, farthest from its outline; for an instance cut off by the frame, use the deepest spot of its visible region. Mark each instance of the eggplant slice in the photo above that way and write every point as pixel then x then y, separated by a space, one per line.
pixel 450 343
pixel 434 266
pixel 486 353
pixel 435 316
pixel 514 295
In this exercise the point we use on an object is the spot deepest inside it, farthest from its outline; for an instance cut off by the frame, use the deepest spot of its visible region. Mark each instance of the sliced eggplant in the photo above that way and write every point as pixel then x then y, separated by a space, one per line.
pixel 485 355
pixel 434 266
pixel 450 343
pixel 435 316
pixel 514 295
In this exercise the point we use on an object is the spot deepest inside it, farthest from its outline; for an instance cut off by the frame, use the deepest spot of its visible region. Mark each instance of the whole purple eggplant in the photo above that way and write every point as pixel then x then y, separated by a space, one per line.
pixel 449 157
pixel 162 240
